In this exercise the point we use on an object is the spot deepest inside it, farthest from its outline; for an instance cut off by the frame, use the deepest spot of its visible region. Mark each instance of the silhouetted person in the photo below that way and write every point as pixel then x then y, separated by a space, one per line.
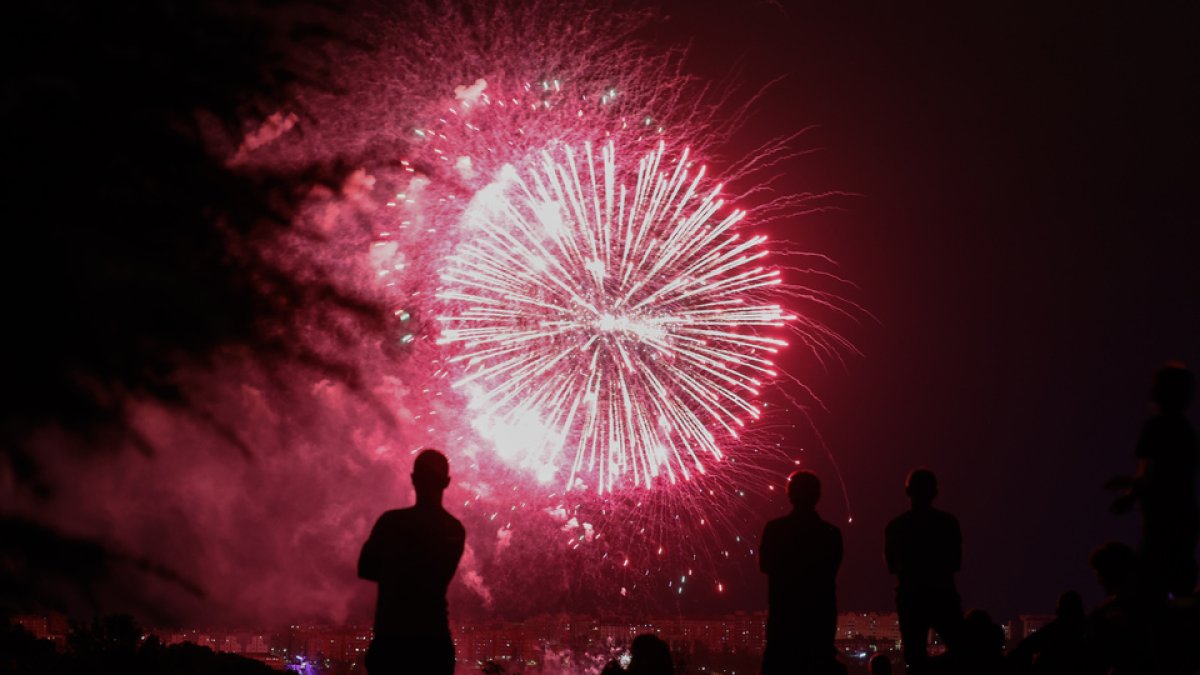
pixel 412 553
pixel 1059 647
pixel 923 548
pixel 1120 630
pixel 881 665
pixel 800 554
pixel 650 656
pixel 981 650
pixel 978 649
pixel 1165 487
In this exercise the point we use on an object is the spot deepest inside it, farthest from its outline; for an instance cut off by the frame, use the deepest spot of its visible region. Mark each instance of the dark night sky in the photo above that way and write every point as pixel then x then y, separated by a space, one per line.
pixel 1025 233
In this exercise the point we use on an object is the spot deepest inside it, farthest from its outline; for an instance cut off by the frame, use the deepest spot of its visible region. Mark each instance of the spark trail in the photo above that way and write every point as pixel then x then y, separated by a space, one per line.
pixel 607 336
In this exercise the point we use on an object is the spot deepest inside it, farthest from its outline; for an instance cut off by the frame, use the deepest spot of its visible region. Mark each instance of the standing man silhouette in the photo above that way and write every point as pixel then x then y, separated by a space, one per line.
pixel 412 554
pixel 923 548
pixel 1165 488
pixel 800 554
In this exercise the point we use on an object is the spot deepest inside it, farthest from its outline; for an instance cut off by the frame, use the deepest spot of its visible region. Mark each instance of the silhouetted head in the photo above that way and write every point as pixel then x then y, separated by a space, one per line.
pixel 982 635
pixel 1070 607
pixel 804 490
pixel 881 665
pixel 921 487
pixel 1173 387
pixel 430 474
pixel 650 656
pixel 1114 565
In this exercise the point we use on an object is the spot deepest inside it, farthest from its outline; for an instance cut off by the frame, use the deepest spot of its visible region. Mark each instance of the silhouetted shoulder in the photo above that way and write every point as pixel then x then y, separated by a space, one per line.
pixel 798 541
pixel 1168 442
pixel 794 526
pixel 454 527
pixel 393 517
pixel 457 532
pixel 1165 436
pixel 945 519
pixel 772 527
pixel 929 516
pixel 409 517
pixel 923 544
pixel 399 532
pixel 830 527
pixel 831 533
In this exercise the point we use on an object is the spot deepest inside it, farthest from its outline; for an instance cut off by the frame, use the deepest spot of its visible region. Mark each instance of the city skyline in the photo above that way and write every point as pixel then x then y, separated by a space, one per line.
pixel 533 641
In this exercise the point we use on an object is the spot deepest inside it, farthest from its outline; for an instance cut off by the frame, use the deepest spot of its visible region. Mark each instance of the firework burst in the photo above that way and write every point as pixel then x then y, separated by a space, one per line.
pixel 609 335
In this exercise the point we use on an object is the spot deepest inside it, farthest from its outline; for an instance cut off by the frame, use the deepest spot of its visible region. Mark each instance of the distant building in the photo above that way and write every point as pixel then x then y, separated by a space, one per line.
pixel 180 637
pixel 748 632
pixel 53 627
pixel 879 628
pixel 732 640
pixel 37 625
pixel 276 662
pixel 1031 623
pixel 1011 634
pixel 257 644
pixel 341 644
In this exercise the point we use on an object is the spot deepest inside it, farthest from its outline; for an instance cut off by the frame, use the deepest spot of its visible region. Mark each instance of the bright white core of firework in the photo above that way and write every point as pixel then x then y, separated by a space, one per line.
pixel 602 334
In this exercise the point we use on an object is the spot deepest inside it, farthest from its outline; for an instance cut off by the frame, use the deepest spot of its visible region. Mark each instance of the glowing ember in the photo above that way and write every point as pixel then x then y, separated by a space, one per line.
pixel 608 336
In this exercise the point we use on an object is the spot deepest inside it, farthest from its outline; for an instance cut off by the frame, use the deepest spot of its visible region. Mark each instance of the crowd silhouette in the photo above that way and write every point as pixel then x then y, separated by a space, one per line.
pixel 1061 645
pixel 1148 623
